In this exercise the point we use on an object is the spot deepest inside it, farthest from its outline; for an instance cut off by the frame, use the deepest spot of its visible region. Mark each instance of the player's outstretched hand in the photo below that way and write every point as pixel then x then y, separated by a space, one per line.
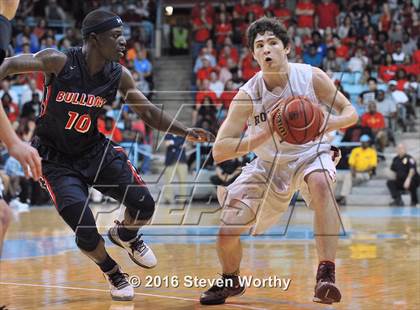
pixel 199 135
pixel 28 158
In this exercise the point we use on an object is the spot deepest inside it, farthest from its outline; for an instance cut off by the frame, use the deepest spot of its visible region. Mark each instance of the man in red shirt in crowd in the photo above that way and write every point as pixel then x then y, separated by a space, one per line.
pixel 228 94
pixel 241 8
pixel 228 51
pixel 341 50
pixel 195 12
pixel 376 121
pixel 256 8
pixel 326 15
pixel 204 72
pixel 223 30
pixel 202 27
pixel 280 10
pixel 388 69
pixel 305 10
pixel 204 92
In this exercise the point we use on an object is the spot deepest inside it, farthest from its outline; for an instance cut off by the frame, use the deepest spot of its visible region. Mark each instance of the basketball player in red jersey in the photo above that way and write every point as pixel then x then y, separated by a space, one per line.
pixel 24 153
pixel 78 83
pixel 280 168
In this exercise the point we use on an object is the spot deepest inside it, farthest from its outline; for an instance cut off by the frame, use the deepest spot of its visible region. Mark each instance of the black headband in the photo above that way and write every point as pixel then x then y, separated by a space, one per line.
pixel 113 22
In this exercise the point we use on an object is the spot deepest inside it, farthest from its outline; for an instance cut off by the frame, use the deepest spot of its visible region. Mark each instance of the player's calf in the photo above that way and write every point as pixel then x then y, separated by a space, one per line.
pixel 230 254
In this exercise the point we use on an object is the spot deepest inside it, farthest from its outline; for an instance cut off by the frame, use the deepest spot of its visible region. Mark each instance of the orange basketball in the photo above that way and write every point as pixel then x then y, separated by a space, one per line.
pixel 297 120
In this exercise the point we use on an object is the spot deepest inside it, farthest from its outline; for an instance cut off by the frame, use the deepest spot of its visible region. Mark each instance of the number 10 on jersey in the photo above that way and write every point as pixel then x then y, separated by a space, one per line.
pixel 80 124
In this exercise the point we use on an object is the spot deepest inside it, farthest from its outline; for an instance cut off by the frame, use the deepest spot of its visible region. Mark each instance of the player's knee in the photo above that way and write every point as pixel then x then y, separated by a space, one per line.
pixel 229 235
pixel 141 209
pixel 319 185
pixel 237 214
pixel 87 238
pixel 232 228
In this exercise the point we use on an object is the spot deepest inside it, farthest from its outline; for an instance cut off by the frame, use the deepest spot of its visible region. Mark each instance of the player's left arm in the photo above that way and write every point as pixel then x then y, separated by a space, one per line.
pixel 327 93
pixel 155 117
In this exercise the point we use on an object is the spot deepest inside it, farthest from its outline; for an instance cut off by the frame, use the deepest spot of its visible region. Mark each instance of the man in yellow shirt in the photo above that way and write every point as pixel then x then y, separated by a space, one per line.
pixel 363 159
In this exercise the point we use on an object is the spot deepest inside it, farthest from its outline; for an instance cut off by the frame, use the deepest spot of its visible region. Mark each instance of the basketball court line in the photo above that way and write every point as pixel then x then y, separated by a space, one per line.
pixel 107 291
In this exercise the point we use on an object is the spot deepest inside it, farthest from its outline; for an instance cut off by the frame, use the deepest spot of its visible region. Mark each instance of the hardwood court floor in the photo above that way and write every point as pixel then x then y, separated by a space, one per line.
pixel 377 264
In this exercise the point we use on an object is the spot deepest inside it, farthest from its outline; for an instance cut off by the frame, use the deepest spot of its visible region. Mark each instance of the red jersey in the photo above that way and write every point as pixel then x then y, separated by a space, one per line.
pixel 222 31
pixel 202 34
pixel 283 14
pixel 201 94
pixel 374 121
pixel 306 20
pixel 204 73
pixel 226 98
pixel 327 13
pixel 387 73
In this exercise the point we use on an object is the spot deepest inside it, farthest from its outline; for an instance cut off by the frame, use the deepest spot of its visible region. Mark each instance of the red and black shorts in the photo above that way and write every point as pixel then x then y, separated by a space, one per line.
pixel 106 167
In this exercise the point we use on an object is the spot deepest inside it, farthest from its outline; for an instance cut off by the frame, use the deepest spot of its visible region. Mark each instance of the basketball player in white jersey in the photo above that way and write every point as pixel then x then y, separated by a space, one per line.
pixel 263 191
pixel 23 152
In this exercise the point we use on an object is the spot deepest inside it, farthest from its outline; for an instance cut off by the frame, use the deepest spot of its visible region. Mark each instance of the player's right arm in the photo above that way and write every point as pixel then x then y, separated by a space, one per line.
pixel 230 142
pixel 49 61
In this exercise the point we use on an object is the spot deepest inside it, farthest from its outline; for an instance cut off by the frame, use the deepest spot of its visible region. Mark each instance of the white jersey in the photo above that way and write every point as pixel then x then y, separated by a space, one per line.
pixel 263 100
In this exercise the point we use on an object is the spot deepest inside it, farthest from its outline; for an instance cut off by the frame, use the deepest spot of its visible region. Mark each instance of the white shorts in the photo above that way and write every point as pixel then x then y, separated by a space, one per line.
pixel 267 188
